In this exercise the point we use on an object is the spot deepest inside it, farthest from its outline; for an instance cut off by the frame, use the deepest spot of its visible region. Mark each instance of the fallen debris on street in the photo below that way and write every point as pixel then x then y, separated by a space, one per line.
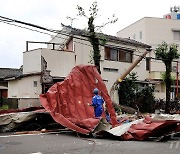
pixel 65 107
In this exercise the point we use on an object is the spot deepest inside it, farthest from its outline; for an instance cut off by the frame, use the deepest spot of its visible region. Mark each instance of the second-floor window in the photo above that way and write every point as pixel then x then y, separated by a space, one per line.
pixel 176 35
pixel 148 62
pixel 140 35
pixel 121 55
pixel 69 45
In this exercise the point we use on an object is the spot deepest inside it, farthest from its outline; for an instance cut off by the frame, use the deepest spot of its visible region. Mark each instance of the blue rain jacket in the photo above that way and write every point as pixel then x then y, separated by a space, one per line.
pixel 97 102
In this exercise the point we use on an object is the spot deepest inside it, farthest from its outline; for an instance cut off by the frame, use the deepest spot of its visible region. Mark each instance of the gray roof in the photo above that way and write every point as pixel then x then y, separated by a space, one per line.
pixel 110 38
pixel 9 72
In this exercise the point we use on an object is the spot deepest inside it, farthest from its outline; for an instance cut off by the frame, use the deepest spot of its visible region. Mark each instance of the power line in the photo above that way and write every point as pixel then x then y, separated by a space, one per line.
pixel 9 21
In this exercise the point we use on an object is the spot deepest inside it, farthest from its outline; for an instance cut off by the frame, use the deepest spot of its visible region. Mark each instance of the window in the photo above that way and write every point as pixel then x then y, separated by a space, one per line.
pixel 35 83
pixel 69 45
pixel 114 55
pixel 174 69
pixel 148 60
pixel 110 69
pixel 122 55
pixel 134 36
pixel 176 35
pixel 140 35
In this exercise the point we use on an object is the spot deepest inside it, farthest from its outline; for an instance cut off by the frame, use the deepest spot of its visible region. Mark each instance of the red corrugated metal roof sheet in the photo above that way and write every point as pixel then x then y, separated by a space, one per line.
pixel 67 101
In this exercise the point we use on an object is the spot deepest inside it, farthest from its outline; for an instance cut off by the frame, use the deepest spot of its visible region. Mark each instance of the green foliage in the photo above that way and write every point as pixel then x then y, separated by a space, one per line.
pixel 163 76
pixel 132 95
pixel 167 54
pixel 94 39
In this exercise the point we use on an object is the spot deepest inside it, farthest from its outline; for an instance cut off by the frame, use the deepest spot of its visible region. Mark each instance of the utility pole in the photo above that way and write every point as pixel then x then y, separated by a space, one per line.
pixel 177 81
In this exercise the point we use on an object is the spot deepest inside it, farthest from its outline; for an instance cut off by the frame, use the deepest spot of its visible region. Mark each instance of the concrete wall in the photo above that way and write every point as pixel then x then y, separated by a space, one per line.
pixel 24 87
pixel 28 102
pixel 59 63
pixel 134 30
pixel 32 61
pixel 154 31
pixel 83 50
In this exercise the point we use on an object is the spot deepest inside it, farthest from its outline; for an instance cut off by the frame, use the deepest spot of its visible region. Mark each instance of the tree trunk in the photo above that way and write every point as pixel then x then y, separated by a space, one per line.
pixel 168 87
pixel 95 43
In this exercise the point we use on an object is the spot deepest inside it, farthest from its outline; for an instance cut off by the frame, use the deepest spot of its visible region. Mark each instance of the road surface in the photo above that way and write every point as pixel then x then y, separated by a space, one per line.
pixel 71 143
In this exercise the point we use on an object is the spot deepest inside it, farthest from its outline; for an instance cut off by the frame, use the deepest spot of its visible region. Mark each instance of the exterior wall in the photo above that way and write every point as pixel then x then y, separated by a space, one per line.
pixel 28 102
pixel 154 32
pixel 32 61
pixel 160 29
pixel 24 87
pixel 134 30
pixel 160 91
pixel 59 63
pixel 83 56
pixel 82 51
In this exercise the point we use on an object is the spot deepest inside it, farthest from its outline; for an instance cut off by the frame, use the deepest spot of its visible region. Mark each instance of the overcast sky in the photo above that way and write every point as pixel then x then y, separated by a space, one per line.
pixel 51 13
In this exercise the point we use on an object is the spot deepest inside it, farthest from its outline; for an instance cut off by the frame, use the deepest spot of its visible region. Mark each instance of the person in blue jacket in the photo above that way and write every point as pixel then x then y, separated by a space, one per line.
pixel 97 102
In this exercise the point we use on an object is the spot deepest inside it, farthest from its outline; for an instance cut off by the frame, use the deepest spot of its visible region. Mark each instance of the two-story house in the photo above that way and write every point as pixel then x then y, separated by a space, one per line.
pixel 70 47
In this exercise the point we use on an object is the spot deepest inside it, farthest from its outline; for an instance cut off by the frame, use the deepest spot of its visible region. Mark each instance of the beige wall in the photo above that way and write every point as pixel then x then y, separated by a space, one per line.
pixel 24 87
pixel 28 102
pixel 154 31
pixel 32 61
pixel 83 51
pixel 59 63
pixel 134 29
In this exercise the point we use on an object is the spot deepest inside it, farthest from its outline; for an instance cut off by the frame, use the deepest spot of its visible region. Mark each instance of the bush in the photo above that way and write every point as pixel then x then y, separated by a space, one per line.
pixel 133 94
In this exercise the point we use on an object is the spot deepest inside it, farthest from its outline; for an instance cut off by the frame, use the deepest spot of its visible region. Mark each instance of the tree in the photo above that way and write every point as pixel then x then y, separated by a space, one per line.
pixel 94 39
pixel 132 95
pixel 167 54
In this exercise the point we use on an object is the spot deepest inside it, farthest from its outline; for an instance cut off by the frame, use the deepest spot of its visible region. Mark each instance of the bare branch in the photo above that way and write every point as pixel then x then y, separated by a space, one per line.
pixel 81 11
pixel 114 19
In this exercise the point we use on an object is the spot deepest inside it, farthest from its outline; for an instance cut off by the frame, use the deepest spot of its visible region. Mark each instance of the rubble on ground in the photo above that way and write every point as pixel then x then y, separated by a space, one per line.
pixel 66 105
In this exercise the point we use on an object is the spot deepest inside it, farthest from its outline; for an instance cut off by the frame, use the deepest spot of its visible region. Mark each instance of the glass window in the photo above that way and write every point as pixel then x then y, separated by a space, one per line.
pixel 148 63
pixel 35 83
pixel 140 35
pixel 110 69
pixel 134 36
pixel 176 35
pixel 129 57
pixel 107 53
pixel 114 55
pixel 121 55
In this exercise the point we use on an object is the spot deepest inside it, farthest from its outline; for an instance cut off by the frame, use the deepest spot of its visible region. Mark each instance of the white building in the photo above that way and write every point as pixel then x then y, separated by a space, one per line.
pixel 71 47
pixel 154 31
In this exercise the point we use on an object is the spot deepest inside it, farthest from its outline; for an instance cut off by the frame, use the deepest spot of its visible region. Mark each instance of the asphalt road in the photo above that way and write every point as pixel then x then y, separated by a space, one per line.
pixel 70 143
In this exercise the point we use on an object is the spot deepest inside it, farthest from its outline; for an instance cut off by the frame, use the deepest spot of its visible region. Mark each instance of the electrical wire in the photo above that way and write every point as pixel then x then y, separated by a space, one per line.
pixel 8 20
pixel 94 143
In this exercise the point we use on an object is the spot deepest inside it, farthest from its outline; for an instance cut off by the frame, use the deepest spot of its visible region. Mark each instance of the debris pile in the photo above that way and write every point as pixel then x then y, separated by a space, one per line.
pixel 66 104
pixel 67 101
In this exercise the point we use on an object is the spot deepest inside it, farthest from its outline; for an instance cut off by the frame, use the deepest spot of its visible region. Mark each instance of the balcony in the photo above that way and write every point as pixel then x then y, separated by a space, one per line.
pixel 155 75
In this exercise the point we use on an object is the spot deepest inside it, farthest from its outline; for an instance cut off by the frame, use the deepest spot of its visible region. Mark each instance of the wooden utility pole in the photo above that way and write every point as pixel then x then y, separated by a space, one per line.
pixel 120 79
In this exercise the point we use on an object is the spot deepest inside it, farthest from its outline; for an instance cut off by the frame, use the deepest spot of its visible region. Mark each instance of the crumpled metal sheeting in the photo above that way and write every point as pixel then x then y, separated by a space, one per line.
pixel 67 101
pixel 143 129
pixel 12 121
pixel 35 108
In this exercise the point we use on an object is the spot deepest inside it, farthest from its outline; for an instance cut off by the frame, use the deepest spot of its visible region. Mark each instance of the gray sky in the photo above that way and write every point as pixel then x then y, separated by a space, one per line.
pixel 51 13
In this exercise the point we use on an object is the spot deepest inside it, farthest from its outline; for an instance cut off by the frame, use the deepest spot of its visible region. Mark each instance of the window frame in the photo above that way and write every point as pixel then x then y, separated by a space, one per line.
pixel 123 54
